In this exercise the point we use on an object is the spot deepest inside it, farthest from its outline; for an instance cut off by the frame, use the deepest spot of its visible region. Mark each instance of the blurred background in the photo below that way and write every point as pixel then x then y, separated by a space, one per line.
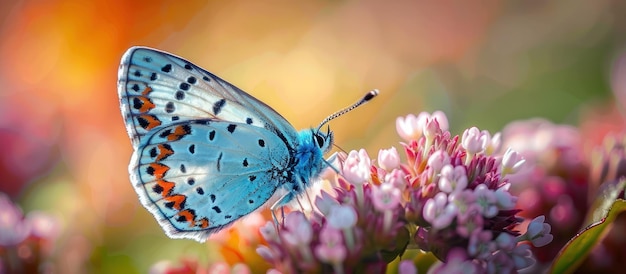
pixel 484 63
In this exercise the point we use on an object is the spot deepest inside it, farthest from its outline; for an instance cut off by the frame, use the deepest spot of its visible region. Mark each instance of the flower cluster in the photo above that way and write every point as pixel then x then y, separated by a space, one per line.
pixel 25 243
pixel 459 198
pixel 450 198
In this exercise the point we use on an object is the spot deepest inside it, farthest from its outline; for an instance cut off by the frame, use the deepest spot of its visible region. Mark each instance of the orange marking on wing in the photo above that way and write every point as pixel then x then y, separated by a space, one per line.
pixel 164 152
pixel 179 132
pixel 159 170
pixel 204 223
pixel 146 91
pixel 151 121
pixel 178 201
pixel 190 216
pixel 167 187
pixel 146 104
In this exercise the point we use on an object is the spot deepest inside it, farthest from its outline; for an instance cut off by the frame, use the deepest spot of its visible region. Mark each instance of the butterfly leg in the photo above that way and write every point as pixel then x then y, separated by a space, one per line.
pixel 280 203
pixel 335 161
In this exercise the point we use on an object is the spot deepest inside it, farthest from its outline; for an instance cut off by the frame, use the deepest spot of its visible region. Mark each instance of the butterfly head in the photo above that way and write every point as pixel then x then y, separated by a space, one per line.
pixel 324 141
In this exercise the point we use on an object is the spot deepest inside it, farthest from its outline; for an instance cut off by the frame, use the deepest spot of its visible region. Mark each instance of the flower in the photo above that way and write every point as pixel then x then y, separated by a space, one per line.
pixel 453 179
pixel 439 212
pixel 511 162
pixel 539 232
pixel 13 229
pixel 388 159
pixel 356 168
pixel 331 248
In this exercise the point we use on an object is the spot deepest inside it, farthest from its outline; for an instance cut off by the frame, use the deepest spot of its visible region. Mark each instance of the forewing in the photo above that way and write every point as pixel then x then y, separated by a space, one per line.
pixel 198 177
pixel 157 89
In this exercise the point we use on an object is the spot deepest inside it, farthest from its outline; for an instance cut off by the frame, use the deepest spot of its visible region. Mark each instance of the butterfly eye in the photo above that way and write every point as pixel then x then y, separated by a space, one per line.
pixel 320 140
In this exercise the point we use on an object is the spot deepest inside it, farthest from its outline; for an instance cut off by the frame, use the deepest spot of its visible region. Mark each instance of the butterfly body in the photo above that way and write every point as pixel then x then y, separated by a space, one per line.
pixel 205 152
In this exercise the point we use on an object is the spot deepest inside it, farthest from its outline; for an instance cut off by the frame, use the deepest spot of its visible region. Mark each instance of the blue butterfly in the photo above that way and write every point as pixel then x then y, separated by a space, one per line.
pixel 205 152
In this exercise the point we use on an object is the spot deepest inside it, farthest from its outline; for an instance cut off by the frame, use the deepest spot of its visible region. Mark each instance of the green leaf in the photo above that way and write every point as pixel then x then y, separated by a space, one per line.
pixel 604 210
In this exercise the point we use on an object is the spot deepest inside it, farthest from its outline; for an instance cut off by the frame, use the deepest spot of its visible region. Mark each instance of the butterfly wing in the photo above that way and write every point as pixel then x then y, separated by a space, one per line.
pixel 198 177
pixel 193 134
pixel 157 89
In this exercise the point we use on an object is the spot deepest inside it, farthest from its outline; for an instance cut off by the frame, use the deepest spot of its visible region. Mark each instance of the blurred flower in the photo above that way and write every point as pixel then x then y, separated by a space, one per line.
pixel 192 266
pixel 608 164
pixel 13 228
pixel 407 267
pixel 26 244
pixel 553 179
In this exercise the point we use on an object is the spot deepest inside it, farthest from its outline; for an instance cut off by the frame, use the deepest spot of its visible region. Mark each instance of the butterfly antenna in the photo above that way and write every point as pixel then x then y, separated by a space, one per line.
pixel 368 96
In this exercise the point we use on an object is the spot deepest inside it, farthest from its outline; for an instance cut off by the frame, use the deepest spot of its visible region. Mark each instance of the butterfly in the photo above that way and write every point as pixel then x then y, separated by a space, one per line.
pixel 207 153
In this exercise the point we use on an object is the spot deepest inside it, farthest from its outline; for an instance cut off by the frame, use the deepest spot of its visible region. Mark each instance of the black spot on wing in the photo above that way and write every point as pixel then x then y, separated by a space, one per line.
pixel 219 160
pixel 167 68
pixel 217 107
pixel 180 95
pixel 169 107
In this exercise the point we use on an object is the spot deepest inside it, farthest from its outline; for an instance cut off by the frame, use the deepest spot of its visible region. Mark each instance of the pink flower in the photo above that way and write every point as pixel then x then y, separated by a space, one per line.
pixel 431 128
pixel 453 179
pixel 411 127
pixel 342 217
pixel 493 143
pixel 268 231
pixel 539 232
pixel 522 256
pixel 407 267
pixel 504 199
pixel 397 179
pixel 331 248
pixel 441 118
pixel 511 162
pixel 439 212
pixel 388 159
pixel 356 168
pixel 385 197
pixel 456 262
pixel 471 222
pixel 438 160
pixel 472 141
pixel 298 231
pixel 408 127
pixel 480 245
pixel 486 198
pixel 13 228
pixel 325 203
